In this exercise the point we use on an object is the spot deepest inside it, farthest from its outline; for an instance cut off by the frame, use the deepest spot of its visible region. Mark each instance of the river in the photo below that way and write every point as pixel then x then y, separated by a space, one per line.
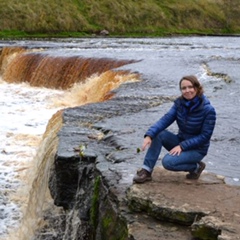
pixel 25 110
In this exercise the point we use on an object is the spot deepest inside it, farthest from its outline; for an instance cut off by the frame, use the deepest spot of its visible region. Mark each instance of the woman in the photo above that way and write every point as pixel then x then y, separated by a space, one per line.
pixel 196 118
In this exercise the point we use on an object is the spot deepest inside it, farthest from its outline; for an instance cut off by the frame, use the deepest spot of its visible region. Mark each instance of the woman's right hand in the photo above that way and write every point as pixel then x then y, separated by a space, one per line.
pixel 146 142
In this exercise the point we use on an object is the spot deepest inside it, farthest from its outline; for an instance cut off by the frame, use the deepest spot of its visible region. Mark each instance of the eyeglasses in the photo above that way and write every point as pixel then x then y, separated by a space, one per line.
pixel 186 87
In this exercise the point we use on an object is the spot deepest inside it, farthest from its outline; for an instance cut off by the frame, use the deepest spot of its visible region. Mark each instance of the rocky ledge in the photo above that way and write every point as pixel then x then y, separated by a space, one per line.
pixel 207 206
pixel 94 197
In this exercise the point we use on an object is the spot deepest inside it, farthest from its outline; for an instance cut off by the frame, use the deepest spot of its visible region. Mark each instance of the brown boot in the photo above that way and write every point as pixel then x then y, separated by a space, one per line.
pixel 142 176
pixel 196 175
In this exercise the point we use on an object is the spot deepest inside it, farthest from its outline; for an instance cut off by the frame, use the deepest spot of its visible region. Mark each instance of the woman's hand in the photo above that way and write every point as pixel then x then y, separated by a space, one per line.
pixel 146 142
pixel 175 151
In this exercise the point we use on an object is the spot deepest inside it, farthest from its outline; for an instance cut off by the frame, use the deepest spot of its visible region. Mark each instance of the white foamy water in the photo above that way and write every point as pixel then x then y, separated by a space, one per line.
pixel 25 112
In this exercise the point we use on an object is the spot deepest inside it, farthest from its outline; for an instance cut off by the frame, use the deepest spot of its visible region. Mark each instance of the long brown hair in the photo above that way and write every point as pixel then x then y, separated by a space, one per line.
pixel 196 84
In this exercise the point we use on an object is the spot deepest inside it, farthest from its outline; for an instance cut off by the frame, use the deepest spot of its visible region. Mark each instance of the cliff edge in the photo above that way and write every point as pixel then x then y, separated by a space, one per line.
pixel 91 181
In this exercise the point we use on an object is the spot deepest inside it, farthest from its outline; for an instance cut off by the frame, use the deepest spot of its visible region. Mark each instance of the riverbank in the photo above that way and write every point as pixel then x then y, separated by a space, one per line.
pixel 21 36
pixel 154 18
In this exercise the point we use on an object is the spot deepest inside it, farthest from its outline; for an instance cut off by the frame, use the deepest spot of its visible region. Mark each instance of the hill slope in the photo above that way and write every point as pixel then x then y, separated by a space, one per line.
pixel 125 17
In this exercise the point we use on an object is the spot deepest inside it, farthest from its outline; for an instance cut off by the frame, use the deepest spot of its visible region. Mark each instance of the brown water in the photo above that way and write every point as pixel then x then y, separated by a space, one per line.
pixel 84 69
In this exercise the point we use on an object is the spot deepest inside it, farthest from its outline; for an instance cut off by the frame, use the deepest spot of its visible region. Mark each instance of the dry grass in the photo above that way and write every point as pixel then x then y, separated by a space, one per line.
pixel 121 17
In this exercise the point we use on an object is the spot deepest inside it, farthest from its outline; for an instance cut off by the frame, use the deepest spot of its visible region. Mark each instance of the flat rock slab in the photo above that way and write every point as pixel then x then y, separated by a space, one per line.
pixel 207 202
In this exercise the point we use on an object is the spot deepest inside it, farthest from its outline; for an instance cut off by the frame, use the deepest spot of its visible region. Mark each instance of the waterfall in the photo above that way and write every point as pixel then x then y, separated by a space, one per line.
pixel 38 181
pixel 81 81
pixel 42 70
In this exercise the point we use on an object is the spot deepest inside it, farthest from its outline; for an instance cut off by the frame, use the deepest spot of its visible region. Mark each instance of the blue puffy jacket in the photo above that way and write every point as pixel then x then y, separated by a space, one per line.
pixel 195 128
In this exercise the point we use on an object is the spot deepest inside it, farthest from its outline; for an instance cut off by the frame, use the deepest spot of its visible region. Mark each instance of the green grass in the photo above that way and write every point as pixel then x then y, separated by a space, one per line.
pixel 78 18
pixel 8 34
pixel 95 202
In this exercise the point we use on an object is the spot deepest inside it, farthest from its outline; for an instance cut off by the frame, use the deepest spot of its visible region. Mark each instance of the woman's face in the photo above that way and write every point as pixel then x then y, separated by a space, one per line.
pixel 187 89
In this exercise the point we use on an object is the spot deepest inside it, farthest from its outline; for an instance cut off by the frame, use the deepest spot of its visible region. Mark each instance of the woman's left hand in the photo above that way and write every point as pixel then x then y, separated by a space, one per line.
pixel 175 151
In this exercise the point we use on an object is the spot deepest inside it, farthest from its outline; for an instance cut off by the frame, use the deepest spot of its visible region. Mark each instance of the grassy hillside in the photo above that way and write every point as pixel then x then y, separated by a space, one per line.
pixel 122 18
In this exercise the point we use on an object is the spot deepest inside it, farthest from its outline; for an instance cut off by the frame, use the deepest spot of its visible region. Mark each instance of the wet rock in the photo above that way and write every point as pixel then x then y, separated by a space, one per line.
pixel 98 195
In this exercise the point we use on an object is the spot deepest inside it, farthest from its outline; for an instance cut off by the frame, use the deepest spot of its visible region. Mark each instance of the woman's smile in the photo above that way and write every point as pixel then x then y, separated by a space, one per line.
pixel 188 90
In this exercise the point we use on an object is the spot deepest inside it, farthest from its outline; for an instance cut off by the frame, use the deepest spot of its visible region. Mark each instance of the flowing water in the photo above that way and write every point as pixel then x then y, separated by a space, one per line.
pixel 51 75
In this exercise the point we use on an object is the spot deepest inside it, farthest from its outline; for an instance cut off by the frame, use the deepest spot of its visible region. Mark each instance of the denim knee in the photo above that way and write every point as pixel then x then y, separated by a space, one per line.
pixel 167 162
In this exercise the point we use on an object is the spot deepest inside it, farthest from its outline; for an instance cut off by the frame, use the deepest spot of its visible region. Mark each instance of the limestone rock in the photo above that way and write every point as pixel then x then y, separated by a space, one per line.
pixel 207 205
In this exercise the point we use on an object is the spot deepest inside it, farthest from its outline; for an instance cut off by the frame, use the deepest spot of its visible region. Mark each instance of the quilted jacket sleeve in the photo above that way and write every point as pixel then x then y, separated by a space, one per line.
pixel 163 122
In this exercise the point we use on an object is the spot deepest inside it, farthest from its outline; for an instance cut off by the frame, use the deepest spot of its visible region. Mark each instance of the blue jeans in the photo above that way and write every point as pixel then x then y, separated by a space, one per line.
pixel 187 161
